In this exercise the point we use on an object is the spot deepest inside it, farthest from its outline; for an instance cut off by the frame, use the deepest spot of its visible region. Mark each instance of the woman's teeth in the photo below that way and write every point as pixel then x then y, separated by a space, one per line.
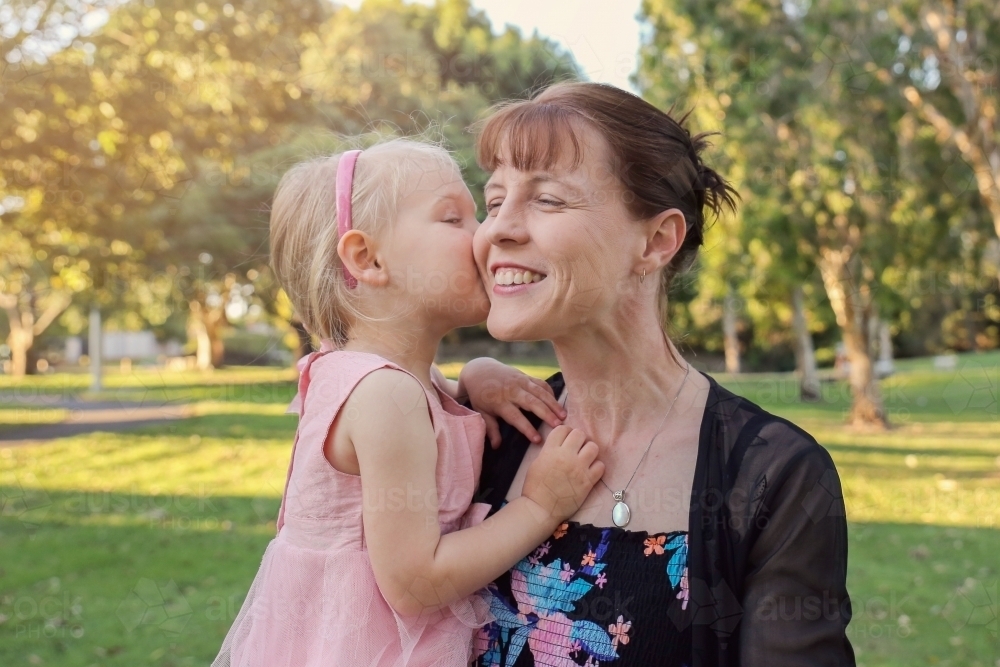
pixel 510 277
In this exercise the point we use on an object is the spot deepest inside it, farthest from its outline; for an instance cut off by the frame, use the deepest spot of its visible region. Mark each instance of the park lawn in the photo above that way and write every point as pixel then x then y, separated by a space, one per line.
pixel 258 384
pixel 137 548
pixel 49 398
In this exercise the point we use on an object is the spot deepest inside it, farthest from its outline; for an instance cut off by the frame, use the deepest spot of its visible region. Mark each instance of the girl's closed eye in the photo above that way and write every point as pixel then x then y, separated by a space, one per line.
pixel 493 205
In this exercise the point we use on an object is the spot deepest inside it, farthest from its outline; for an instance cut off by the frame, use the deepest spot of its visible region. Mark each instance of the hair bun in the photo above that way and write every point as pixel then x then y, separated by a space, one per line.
pixel 711 188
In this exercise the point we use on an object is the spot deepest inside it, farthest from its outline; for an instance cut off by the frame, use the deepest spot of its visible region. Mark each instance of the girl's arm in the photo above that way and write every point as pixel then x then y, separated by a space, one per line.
pixel 417 568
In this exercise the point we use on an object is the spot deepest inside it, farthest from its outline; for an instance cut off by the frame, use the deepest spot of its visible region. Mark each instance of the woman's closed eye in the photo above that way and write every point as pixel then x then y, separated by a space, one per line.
pixel 550 202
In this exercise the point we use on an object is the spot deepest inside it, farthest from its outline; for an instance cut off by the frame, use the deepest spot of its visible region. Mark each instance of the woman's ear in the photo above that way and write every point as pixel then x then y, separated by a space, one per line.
pixel 358 252
pixel 666 236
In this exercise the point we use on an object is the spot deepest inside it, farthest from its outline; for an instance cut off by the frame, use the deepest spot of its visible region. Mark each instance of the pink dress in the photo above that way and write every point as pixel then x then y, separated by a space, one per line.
pixel 314 601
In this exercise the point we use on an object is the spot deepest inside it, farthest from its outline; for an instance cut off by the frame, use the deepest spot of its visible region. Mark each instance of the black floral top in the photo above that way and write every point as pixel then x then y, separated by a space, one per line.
pixel 767 531
pixel 592 596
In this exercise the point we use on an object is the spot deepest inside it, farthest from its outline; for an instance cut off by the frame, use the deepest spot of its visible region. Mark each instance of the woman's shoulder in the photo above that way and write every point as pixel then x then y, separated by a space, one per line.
pixel 767 461
pixel 755 436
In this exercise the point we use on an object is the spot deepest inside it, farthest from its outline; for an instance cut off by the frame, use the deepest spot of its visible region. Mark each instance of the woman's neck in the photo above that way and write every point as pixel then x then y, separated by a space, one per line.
pixel 619 380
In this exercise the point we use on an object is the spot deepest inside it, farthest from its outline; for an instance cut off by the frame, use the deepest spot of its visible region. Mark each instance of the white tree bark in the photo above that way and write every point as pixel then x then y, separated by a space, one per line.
pixel 95 343
pixel 730 319
pixel 805 354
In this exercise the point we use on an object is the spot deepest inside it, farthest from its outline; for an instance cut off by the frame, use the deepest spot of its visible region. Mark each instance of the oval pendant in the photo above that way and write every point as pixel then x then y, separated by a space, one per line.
pixel 621 514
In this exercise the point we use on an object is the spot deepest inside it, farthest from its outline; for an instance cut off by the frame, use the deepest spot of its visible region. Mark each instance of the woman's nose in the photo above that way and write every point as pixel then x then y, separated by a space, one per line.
pixel 507 226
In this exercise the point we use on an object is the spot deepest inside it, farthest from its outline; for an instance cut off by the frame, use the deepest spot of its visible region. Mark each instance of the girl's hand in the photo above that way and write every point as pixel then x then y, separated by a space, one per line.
pixel 497 390
pixel 565 471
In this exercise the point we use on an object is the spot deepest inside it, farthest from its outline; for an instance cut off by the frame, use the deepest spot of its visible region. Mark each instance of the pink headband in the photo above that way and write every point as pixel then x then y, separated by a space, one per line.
pixel 345 180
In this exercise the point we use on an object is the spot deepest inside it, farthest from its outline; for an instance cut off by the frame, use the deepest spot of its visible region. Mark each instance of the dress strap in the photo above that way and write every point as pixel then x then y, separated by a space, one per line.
pixel 295 407
pixel 298 406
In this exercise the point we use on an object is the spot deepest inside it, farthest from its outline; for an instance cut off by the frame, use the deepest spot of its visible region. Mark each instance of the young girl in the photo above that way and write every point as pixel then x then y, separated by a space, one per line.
pixel 378 554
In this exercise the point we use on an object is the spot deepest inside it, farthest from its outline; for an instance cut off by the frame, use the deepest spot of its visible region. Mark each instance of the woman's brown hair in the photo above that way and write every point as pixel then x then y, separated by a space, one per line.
pixel 653 155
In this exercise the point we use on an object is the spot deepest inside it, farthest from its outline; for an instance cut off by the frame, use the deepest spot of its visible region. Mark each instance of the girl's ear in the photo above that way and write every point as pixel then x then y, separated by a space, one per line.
pixel 357 250
pixel 666 236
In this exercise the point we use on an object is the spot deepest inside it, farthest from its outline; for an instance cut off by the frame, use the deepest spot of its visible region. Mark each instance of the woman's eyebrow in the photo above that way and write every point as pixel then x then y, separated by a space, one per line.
pixel 540 177
pixel 546 177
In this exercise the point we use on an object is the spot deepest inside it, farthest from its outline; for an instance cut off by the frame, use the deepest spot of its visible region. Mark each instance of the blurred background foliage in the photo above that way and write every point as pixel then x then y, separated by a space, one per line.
pixel 140 143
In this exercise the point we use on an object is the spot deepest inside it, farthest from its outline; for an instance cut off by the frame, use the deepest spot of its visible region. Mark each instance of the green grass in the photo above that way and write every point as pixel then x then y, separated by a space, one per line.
pixel 136 548
pixel 249 383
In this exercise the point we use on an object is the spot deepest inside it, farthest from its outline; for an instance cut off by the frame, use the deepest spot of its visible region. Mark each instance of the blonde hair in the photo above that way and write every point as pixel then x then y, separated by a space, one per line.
pixel 304 234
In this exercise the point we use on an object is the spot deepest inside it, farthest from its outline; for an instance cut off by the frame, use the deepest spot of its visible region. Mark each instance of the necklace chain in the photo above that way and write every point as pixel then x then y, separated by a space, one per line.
pixel 620 495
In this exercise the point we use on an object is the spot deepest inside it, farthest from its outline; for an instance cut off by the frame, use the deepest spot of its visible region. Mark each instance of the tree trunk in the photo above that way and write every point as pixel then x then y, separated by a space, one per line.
pixel 206 326
pixel 805 355
pixel 872 324
pixel 95 346
pixel 850 299
pixel 971 344
pixel 218 346
pixel 25 326
pixel 730 315
pixel 884 367
pixel 20 341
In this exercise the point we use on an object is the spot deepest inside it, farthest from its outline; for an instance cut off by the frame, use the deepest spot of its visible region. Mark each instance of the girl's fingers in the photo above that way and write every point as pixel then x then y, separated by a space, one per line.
pixel 548 410
pixel 492 430
pixel 542 384
pixel 546 394
pixel 526 400
pixel 515 418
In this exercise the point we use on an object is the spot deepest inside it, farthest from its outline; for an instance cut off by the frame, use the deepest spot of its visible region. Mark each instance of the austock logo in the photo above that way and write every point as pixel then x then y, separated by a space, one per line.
pixel 974 604
pixel 148 604
pixel 974 388
pixel 18 499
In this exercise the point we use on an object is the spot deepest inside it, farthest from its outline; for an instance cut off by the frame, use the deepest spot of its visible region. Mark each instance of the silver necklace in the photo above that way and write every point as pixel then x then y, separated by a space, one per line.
pixel 621 514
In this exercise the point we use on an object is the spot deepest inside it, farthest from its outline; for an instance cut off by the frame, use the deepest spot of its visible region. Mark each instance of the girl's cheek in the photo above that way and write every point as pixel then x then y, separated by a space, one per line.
pixel 480 246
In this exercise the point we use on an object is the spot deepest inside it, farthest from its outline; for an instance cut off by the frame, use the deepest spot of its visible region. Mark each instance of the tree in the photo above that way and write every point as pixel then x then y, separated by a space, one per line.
pixel 759 69
pixel 946 70
pixel 54 230
pixel 172 123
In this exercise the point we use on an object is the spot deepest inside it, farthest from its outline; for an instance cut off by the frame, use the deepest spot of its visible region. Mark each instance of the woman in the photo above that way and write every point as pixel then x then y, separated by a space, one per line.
pixel 719 535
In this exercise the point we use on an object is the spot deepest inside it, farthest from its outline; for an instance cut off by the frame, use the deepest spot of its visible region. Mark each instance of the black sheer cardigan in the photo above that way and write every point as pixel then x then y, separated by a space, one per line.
pixel 767 537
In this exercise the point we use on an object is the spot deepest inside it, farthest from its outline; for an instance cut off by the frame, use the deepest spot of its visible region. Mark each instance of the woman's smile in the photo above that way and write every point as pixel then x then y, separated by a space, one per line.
pixel 511 279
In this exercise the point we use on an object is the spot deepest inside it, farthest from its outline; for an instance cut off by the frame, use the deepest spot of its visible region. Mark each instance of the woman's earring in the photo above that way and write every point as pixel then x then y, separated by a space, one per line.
pixel 643 276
